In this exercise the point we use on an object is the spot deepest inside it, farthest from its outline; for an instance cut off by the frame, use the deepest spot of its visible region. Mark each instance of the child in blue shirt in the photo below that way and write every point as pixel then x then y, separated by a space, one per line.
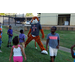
pixel 53 40
pixel 10 35
pixel 0 40
pixel 22 39
pixel 72 52
pixel 1 28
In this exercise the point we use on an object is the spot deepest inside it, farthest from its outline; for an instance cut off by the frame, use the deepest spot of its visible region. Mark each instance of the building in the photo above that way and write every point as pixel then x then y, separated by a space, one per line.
pixel 57 19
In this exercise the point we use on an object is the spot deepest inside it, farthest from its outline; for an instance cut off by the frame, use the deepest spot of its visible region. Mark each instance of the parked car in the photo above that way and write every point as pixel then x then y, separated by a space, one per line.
pixel 28 22
pixel 18 22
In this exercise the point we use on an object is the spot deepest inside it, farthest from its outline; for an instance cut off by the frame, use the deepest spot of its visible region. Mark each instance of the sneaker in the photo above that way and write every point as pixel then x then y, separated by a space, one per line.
pixel 10 45
pixel 0 51
pixel 44 52
pixel 7 45
pixel 50 61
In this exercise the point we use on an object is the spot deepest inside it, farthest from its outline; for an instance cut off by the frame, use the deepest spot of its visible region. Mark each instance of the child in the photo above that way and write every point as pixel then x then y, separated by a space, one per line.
pixel 17 51
pixel 0 40
pixel 53 40
pixel 22 39
pixel 10 33
pixel 72 52
pixel 1 28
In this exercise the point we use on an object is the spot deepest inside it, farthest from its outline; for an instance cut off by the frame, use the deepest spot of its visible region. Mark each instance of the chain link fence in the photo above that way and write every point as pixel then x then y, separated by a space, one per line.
pixel 12 20
pixel 15 20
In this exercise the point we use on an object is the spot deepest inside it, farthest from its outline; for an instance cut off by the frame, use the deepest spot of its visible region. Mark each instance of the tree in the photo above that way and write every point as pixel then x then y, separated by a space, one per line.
pixel 29 14
pixel 1 14
pixel 38 14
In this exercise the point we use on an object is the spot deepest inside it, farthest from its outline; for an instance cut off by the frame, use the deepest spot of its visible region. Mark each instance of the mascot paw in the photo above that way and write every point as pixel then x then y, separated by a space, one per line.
pixel 44 52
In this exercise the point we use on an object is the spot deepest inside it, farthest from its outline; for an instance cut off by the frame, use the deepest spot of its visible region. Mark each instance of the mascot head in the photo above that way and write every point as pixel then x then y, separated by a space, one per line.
pixel 35 20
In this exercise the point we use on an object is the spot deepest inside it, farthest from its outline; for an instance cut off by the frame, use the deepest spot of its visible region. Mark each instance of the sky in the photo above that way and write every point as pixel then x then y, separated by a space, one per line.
pixel 35 14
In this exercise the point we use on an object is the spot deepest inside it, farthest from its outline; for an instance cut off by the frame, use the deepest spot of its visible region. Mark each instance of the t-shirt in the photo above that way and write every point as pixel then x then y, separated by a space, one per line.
pixel 10 31
pixel 35 29
pixel 1 29
pixel 1 26
pixel 0 35
pixel 17 51
pixel 21 38
pixel 53 39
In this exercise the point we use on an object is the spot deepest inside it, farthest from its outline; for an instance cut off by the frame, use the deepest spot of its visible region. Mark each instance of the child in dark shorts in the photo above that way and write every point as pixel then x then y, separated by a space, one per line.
pixel 10 35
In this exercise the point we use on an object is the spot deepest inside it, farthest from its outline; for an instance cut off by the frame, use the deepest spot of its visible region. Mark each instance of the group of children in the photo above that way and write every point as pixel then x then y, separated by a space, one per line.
pixel 18 47
pixel 17 50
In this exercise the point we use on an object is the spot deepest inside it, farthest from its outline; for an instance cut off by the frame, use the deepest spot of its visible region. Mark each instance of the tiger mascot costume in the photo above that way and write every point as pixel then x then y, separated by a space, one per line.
pixel 34 30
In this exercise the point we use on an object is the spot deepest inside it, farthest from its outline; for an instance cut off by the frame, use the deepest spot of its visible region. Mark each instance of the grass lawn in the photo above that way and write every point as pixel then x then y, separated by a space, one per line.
pixel 32 54
pixel 67 38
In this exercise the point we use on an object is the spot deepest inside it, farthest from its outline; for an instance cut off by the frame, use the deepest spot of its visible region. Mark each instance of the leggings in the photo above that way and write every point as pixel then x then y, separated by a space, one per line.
pixel 37 39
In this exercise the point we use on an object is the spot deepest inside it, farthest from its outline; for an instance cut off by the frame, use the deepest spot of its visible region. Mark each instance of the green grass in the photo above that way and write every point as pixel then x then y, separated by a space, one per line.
pixel 36 56
pixel 67 38
pixel 4 56
pixel 32 54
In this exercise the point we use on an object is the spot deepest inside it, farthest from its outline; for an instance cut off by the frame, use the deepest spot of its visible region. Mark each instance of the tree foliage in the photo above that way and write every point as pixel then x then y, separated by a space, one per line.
pixel 29 14
pixel 1 14
pixel 38 14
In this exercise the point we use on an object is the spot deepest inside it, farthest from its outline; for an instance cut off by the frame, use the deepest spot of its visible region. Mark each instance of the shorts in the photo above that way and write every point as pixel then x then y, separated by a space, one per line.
pixel 53 51
pixel 74 55
pixel 17 58
pixel 0 42
pixel 10 39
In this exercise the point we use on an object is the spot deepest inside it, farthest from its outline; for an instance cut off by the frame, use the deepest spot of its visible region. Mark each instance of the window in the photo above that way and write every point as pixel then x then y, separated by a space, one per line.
pixel 62 18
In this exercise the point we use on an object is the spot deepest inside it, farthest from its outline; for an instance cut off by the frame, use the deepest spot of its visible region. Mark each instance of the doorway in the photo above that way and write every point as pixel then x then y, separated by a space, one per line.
pixel 64 19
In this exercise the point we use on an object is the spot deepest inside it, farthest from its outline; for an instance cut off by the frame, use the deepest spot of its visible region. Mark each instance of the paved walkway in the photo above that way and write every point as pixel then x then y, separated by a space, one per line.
pixel 60 47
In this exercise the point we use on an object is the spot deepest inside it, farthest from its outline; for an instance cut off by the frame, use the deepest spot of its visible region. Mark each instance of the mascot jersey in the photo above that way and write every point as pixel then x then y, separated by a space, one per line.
pixel 35 29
